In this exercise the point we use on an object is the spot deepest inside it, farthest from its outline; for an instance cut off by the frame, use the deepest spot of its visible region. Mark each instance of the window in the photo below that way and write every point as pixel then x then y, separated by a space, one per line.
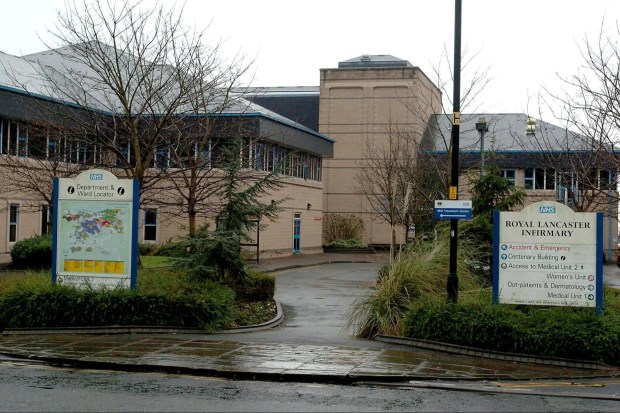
pixel 37 142
pixel 124 159
pixel 12 138
pixel 510 175
pixel 150 225
pixel 259 156
pixel 567 188
pixel 13 142
pixel 162 157
pixel 247 154
pixel 221 152
pixel 46 220
pixel 13 218
pixel 4 136
pixel 53 151
pixel 22 140
pixel 539 178
pixel 607 179
pixel 204 154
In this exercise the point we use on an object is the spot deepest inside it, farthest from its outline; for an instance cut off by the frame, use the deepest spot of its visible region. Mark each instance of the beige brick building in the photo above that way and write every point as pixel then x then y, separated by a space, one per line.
pixel 30 143
pixel 361 101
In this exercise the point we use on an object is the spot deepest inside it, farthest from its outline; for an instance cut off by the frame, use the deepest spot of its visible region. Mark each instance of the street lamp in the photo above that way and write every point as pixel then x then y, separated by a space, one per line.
pixel 481 126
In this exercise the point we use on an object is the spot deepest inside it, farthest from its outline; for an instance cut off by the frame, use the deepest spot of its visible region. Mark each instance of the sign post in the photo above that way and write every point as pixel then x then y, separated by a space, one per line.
pixel 95 230
pixel 548 254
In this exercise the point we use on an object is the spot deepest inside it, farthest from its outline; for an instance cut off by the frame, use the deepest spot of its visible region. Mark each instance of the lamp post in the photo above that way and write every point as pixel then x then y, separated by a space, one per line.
pixel 481 126
pixel 452 286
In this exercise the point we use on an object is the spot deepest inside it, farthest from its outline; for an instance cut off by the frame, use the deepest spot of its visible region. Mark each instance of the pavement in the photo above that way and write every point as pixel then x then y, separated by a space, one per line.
pixel 388 359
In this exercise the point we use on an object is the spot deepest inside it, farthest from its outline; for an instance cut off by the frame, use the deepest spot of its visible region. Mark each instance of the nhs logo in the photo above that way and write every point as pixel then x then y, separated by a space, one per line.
pixel 546 209
pixel 96 177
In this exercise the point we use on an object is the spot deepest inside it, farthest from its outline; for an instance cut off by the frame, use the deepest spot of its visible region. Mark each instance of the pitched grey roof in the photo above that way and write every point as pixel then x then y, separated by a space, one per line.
pixel 507 133
pixel 30 74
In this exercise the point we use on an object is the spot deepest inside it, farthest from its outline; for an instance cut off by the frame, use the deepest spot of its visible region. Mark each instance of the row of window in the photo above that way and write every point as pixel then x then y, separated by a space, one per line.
pixel 550 179
pixel 22 139
pixel 262 156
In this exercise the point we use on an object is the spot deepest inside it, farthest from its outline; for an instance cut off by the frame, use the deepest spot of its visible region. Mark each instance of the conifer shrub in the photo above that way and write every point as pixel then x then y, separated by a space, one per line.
pixel 176 249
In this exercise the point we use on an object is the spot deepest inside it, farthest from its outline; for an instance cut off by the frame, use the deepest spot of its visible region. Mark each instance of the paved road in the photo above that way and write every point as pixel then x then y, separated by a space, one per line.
pixel 316 301
pixel 611 275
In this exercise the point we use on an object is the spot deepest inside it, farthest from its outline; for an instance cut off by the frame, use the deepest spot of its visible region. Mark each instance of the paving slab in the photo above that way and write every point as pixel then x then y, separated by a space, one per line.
pixel 278 361
pixel 283 360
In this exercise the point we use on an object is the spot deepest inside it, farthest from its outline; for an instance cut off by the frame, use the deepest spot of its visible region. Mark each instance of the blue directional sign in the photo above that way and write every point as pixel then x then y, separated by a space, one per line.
pixel 450 209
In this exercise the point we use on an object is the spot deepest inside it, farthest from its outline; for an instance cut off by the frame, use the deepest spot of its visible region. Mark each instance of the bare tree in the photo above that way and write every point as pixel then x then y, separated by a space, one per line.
pixel 475 79
pixel 193 169
pixel 131 76
pixel 585 155
pixel 28 171
pixel 139 89
pixel 401 176
pixel 399 185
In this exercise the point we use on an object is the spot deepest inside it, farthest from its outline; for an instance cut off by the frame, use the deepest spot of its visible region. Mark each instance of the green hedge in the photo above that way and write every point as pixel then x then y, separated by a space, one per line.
pixel 48 307
pixel 560 332
pixel 256 286
pixel 32 253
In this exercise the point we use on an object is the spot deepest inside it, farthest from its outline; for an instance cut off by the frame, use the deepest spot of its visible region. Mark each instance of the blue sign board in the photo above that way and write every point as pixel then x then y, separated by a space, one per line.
pixel 450 209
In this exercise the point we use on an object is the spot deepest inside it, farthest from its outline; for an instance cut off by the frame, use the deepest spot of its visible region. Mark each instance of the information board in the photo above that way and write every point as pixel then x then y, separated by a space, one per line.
pixel 548 254
pixel 95 230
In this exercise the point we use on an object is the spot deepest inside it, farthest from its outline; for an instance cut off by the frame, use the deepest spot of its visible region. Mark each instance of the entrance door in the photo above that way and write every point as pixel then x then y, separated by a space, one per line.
pixel 296 232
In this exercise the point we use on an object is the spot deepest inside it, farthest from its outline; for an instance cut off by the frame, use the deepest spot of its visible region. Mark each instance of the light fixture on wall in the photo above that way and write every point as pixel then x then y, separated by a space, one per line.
pixel 309 206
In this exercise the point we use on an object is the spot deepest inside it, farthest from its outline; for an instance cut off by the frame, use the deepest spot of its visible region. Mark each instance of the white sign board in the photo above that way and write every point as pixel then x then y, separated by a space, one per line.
pixel 547 254
pixel 95 229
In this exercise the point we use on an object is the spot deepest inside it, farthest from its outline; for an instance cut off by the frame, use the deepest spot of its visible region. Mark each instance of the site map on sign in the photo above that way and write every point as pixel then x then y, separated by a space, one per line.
pixel 93 239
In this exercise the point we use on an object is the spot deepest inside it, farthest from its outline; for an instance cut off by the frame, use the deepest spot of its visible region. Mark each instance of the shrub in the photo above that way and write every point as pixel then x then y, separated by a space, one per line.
pixel 561 332
pixel 257 286
pixel 39 303
pixel 347 243
pixel 419 270
pixel 341 227
pixel 32 253
pixel 215 256
pixel 119 307
pixel 177 249
pixel 147 248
